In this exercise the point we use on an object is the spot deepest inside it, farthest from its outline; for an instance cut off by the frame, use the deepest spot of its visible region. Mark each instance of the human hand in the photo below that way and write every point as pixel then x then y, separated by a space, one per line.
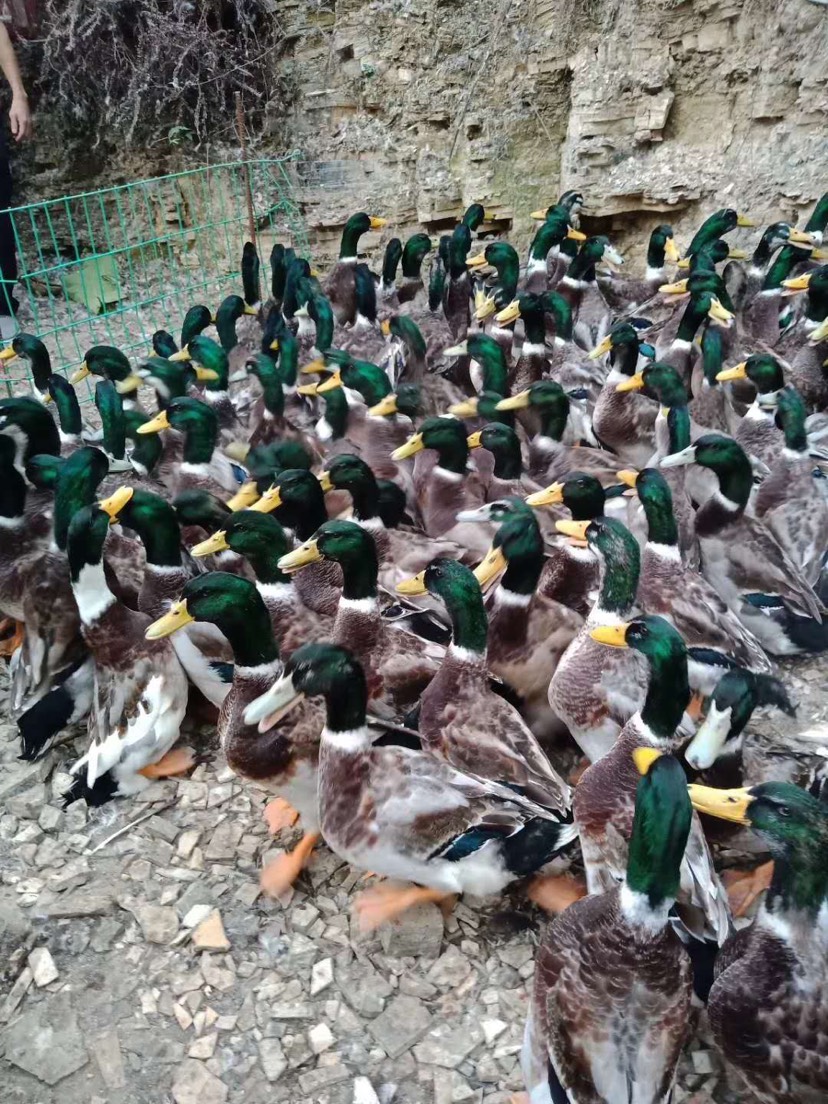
pixel 20 118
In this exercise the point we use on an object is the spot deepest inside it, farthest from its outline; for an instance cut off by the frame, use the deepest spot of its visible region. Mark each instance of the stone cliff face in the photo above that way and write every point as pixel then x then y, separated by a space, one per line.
pixel 657 110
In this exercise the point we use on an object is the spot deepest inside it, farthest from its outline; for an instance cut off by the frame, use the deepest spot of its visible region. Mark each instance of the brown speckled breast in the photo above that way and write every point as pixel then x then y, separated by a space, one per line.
pixel 606 992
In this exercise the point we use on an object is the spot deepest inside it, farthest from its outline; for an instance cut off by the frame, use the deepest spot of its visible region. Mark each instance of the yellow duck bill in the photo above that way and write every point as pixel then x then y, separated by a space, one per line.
pixel 549 496
pixel 411 447
pixel 116 502
pixel 216 543
pixel 306 554
pixel 614 636
pixel 414 586
pixel 493 564
pixel 177 617
pixel 730 805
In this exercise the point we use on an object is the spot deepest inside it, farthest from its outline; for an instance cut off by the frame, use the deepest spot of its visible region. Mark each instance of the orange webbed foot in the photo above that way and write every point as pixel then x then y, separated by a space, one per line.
pixel 177 761
pixel 384 903
pixel 280 874
pixel 279 814
pixel 578 771
pixel 554 893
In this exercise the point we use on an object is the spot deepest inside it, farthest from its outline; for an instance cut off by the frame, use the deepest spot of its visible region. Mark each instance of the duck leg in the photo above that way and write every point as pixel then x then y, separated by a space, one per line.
pixel 578 770
pixel 694 706
pixel 554 893
pixel 279 875
pixel 519 1098
pixel 177 761
pixel 11 641
pixel 386 902
pixel 279 814
pixel 743 887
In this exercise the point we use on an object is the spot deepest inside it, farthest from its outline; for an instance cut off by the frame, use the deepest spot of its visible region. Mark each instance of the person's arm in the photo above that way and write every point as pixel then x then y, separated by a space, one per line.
pixel 20 116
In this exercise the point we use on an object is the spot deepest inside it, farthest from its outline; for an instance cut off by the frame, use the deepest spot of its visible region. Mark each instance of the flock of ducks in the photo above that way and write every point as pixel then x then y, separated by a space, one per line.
pixel 407 534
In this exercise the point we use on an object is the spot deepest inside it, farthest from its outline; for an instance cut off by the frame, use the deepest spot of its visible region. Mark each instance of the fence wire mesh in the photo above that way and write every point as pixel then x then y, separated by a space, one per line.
pixel 111 267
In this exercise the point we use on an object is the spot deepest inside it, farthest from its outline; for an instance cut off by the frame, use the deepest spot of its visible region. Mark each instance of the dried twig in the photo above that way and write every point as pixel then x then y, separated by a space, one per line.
pixel 126 828
pixel 133 71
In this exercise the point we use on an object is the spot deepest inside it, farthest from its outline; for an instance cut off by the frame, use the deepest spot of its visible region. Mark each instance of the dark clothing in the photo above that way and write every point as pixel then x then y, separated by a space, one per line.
pixel 8 252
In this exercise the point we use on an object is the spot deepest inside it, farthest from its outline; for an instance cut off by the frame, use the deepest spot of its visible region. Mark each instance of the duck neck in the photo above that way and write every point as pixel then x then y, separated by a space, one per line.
pixel 161 538
pixel 619 582
pixel 359 574
pixel 265 563
pixel 508 463
pixel 454 456
pixel 690 322
pixel 678 428
pixel 469 624
pixel 534 326
pixel 668 694
pixel 553 420
pixel 661 521
pixel 365 497
pixel 345 705
pixel 249 632
pixel 200 441
pixel 800 882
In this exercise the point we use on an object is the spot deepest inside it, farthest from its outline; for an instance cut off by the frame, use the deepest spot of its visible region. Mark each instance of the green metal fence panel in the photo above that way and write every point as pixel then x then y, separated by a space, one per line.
pixel 111 267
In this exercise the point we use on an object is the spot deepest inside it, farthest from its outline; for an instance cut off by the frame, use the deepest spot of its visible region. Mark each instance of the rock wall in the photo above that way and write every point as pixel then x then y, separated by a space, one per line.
pixel 656 110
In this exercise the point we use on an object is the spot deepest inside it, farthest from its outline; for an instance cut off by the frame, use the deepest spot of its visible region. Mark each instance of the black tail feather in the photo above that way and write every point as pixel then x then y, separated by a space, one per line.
pixel 41 723
pixel 103 789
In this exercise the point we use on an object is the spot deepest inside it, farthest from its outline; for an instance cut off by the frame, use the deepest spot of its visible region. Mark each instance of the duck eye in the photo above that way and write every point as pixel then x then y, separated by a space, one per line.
pixel 783 811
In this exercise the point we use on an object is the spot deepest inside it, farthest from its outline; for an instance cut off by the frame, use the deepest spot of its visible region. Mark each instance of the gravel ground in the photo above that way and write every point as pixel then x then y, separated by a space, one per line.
pixel 138 961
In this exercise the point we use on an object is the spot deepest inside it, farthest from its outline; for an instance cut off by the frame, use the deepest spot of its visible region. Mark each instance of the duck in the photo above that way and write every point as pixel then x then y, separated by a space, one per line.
pixel 363 339
pixel 52 644
pixel 397 666
pixel 201 467
pixel 200 513
pixel 202 652
pixel 590 311
pixel 594 691
pixel 789 501
pixel 197 319
pixel 570 573
pixel 532 364
pixel 340 287
pixel 504 259
pixel 24 532
pixel 488 368
pixel 462 721
pixel 508 477
pixel 757 432
pixel 262 542
pixel 545 265
pixel 140 689
pixel 231 309
pixel 35 355
pixel 742 559
pixel 613 987
pixel 299 500
pixel 771 976
pixel 386 282
pixel 604 799
pixel 32 428
pixel 629 295
pixel 722 734
pixel 442 484
pixel 710 405
pixel 702 304
pixel 673 431
pixel 669 587
pixel 402 552
pixel 715 226
pixel 751 280
pixel 109 363
pixel 457 287
pixel 550 458
pixel 478 837
pixel 528 632
pixel 410 291
pixel 806 366
pixel 624 422
pixel 284 759
pixel 216 390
